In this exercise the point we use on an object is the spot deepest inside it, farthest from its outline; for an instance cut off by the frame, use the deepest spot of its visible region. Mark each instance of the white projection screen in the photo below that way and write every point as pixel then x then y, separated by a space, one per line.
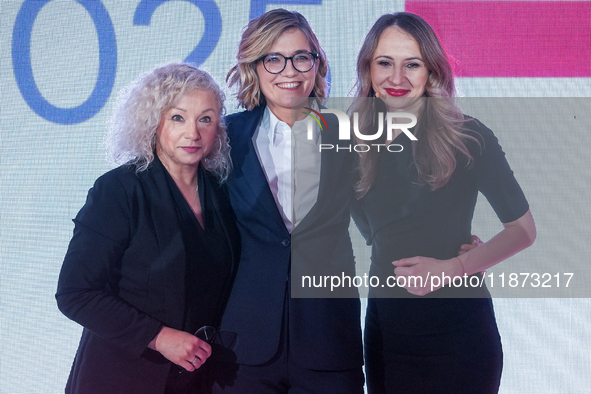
pixel 62 63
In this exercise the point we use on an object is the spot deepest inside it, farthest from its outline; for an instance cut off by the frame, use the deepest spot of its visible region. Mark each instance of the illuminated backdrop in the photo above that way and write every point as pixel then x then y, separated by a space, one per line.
pixel 63 61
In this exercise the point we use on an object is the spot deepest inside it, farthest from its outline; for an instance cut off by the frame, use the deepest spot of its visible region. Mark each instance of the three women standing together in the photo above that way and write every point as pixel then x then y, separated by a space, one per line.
pixel 157 252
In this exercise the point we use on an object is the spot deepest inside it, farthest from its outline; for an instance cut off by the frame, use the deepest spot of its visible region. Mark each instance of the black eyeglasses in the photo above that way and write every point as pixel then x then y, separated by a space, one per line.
pixel 275 63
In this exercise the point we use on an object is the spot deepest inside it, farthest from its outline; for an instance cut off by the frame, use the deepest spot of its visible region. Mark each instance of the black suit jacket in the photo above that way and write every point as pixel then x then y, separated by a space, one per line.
pixel 123 278
pixel 324 334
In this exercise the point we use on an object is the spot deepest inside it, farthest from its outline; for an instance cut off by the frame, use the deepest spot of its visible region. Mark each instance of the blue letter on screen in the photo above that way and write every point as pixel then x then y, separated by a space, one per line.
pixel 23 71
pixel 213 25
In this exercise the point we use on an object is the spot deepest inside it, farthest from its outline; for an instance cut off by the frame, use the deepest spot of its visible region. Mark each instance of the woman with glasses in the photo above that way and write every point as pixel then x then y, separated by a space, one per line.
pixel 155 247
pixel 415 207
pixel 285 344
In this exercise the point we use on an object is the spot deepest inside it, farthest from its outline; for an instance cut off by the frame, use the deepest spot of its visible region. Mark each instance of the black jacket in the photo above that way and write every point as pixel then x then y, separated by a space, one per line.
pixel 123 278
pixel 324 334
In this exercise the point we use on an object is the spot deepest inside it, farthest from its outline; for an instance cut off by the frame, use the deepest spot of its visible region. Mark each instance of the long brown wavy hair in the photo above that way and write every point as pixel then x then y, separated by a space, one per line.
pixel 439 130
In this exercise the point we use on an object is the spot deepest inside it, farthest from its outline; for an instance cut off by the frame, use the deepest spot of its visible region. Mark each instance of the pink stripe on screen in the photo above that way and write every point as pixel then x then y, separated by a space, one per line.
pixel 512 38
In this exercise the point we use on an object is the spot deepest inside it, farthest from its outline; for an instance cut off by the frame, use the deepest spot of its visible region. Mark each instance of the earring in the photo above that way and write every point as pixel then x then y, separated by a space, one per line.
pixel 377 95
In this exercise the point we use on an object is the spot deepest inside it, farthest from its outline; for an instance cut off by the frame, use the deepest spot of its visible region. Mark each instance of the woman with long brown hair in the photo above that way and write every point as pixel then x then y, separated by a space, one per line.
pixel 415 206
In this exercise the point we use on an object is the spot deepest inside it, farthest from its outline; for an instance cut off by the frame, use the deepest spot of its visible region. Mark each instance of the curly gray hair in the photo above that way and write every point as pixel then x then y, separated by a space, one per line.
pixel 139 109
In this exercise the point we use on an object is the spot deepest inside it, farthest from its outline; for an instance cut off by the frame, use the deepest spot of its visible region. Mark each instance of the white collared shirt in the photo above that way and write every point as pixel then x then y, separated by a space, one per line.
pixel 273 141
pixel 306 167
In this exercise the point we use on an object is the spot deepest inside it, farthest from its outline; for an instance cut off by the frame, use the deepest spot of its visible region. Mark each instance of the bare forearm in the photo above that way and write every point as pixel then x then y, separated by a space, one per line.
pixel 515 237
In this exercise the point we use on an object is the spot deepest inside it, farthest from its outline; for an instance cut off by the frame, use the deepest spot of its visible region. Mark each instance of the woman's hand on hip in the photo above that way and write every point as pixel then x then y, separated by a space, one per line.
pixel 423 275
pixel 468 247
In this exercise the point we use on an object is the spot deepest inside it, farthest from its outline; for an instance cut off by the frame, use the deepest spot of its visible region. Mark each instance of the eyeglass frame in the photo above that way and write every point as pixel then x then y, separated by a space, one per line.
pixel 315 56
pixel 205 333
pixel 210 335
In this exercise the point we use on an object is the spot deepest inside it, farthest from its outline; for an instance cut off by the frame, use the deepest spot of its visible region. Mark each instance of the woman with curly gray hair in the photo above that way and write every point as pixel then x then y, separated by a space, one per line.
pixel 155 246
pixel 134 126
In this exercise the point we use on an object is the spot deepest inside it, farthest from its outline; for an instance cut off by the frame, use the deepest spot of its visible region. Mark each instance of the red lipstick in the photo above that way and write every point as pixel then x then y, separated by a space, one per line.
pixel 397 92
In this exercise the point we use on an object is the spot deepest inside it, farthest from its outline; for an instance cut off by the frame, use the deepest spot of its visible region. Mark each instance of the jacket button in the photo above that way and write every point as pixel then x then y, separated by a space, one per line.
pixel 286 242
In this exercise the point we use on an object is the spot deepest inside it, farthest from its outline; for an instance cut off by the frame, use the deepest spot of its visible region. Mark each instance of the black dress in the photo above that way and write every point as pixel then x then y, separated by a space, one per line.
pixel 447 341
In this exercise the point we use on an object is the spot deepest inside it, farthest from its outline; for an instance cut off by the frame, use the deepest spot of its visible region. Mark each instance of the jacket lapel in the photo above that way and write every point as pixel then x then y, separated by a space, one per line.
pixel 331 164
pixel 169 269
pixel 248 177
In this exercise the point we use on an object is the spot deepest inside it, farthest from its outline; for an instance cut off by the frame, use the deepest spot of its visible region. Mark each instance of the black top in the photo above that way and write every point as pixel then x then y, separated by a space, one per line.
pixel 402 218
pixel 209 259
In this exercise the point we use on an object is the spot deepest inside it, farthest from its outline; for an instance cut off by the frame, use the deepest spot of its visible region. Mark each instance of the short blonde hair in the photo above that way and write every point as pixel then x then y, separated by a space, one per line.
pixel 257 39
pixel 133 127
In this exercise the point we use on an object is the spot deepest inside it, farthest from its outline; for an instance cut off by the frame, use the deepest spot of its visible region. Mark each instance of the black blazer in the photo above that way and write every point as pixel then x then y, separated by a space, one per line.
pixel 123 278
pixel 324 334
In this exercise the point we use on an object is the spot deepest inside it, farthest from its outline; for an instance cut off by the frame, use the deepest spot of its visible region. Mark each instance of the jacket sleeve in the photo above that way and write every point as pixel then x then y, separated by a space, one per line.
pixel 91 273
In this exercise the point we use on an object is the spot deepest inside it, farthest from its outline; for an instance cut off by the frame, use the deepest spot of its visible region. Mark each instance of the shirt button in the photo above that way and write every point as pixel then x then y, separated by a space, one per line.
pixel 286 242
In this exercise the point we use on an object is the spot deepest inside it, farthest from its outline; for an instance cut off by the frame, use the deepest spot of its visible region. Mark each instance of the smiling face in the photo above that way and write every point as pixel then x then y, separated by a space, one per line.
pixel 187 131
pixel 279 89
pixel 398 71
